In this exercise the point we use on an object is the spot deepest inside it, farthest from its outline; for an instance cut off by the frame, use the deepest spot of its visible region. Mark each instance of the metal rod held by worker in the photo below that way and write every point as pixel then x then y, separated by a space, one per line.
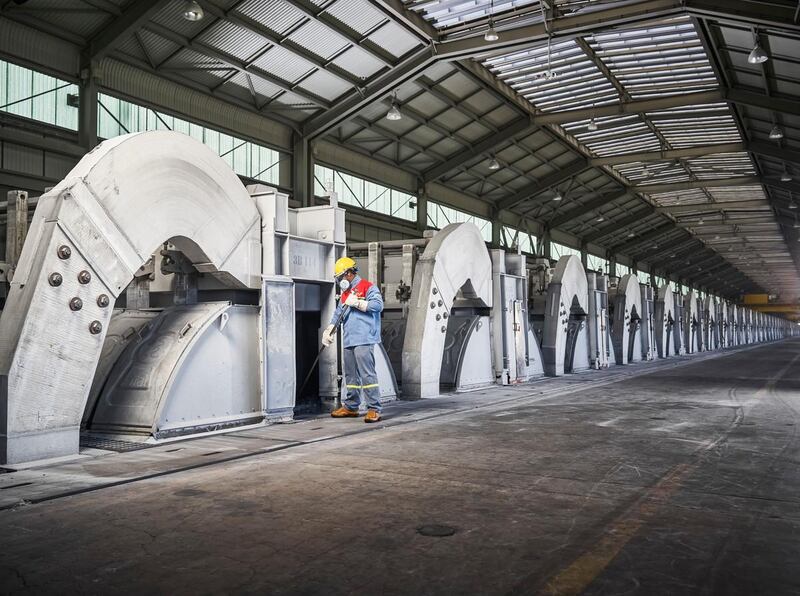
pixel 336 325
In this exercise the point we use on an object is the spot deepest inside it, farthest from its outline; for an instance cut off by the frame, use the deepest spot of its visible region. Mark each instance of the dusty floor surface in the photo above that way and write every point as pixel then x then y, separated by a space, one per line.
pixel 665 478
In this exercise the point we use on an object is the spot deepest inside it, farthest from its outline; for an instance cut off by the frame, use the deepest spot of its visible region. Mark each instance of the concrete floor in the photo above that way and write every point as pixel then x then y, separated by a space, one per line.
pixel 674 477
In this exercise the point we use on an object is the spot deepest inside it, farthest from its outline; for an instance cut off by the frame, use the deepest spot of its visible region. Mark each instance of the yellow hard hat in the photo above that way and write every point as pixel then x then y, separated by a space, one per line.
pixel 343 265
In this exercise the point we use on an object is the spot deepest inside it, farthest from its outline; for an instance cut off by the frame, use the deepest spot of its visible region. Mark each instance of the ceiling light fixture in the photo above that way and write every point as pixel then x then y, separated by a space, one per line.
pixel 631 234
pixel 757 54
pixel 394 111
pixel 494 164
pixel 557 196
pixel 592 126
pixel 646 171
pixel 192 11
pixel 700 222
pixel 776 133
pixel 786 176
pixel 792 205
pixel 491 33
pixel 600 218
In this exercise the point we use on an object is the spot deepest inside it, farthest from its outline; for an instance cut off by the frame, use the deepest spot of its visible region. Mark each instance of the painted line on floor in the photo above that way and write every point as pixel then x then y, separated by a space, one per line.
pixel 578 575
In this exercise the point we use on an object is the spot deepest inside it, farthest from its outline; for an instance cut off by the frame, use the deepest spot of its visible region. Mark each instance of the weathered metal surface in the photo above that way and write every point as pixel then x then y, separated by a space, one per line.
pixel 664 322
pixel 626 326
pixel 114 208
pixel 647 327
pixel 691 323
pixel 124 327
pixel 456 259
pixel 710 324
pixel 194 367
pixel 599 331
pixel 567 304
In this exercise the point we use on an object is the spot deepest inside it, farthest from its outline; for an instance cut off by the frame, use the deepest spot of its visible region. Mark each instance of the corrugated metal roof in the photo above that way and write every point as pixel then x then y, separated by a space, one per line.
pixel 284 64
pixel 393 38
pixel 277 15
pixel 358 15
pixel 358 62
pixel 234 40
pixel 324 84
pixel 319 39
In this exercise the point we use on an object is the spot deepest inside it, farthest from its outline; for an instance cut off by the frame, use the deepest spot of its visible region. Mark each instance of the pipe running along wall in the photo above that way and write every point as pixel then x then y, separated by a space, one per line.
pixel 89 235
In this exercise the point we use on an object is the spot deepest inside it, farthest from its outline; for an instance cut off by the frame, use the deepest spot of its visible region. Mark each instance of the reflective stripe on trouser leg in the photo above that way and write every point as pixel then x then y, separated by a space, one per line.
pixel 365 361
pixel 352 380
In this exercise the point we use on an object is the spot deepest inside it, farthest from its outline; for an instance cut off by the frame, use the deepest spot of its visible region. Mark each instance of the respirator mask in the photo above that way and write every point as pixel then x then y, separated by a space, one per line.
pixel 344 285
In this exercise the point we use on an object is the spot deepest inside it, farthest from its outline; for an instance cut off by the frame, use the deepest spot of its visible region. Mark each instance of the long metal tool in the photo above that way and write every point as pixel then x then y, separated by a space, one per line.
pixel 336 324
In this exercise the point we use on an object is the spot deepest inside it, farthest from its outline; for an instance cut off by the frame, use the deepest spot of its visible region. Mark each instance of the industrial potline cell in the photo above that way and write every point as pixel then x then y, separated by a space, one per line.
pixel 224 292
pixel 710 323
pixel 664 321
pixel 692 327
pixel 455 314
pixel 569 313
pixel 722 323
pixel 678 335
pixel 627 314
pixel 648 322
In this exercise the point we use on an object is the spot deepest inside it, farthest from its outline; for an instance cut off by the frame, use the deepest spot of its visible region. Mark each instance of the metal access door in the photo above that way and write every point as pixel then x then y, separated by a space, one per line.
pixel 520 337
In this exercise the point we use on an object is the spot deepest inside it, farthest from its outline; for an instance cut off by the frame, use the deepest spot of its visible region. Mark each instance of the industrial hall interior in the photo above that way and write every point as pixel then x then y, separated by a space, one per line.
pixel 426 297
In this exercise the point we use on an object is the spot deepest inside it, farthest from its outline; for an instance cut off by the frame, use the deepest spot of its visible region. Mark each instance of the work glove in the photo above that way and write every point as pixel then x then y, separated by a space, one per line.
pixel 354 301
pixel 327 336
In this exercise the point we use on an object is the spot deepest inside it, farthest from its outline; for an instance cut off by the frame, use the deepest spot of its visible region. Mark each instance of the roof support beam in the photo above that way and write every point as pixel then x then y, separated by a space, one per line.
pixel 565 27
pixel 411 67
pixel 672 245
pixel 692 184
pixel 614 226
pixel 775 152
pixel 504 135
pixel 626 247
pixel 716 183
pixel 600 201
pixel 668 154
pixel 136 15
pixel 762 100
pixel 737 96
pixel 769 14
pixel 549 181
pixel 229 62
pixel 753 205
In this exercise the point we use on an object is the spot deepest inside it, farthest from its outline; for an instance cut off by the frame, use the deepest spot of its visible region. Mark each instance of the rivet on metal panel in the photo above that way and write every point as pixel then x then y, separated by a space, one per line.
pixel 64 252
pixel 440 303
pixel 55 279
pixel 445 315
pixel 444 328
pixel 438 317
pixel 76 304
pixel 84 277
pixel 102 300
pixel 435 290
pixel 433 304
pixel 95 327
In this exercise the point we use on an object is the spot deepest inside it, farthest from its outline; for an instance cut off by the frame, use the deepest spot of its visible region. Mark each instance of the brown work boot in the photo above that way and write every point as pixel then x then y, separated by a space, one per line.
pixel 344 413
pixel 372 416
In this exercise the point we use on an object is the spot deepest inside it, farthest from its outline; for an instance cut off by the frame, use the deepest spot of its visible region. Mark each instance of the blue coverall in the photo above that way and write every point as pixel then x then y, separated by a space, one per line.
pixel 360 332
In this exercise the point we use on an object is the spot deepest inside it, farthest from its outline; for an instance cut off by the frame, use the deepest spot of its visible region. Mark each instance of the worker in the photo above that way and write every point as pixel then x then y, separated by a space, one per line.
pixel 361 330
